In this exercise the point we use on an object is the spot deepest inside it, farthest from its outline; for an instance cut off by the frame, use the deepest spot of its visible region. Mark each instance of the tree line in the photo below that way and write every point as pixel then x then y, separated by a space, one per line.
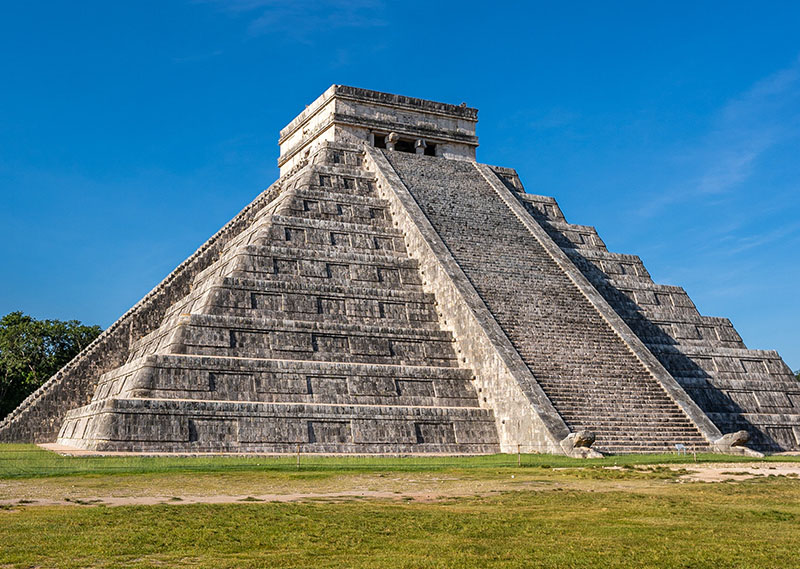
pixel 32 350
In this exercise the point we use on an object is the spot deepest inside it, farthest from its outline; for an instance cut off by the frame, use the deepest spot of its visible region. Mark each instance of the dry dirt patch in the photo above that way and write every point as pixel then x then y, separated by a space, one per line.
pixel 220 488
pixel 724 472
pixel 228 488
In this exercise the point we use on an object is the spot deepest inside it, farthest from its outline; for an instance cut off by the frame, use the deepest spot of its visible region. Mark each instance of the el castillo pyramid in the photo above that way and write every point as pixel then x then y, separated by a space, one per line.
pixel 389 294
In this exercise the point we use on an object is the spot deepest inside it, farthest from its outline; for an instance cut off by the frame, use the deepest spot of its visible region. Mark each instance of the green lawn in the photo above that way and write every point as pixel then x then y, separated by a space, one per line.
pixel 750 524
pixel 417 512
pixel 31 461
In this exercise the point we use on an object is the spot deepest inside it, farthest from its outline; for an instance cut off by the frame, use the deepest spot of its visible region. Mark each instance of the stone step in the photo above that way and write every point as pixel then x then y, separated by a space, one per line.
pixel 744 382
pixel 611 446
pixel 597 399
pixel 632 443
pixel 699 351
pixel 571 391
pixel 249 287
pixel 623 417
pixel 324 235
pixel 203 334
pixel 305 222
pixel 653 432
pixel 644 419
pixel 354 312
pixel 202 426
pixel 243 297
pixel 303 192
pixel 577 385
pixel 263 285
pixel 329 253
pixel 289 325
pixel 219 326
pixel 645 438
pixel 631 425
pixel 365 210
pixel 221 363
pixel 360 187
pixel 619 427
pixel 608 416
pixel 368 305
pixel 660 449
pixel 321 264
pixel 571 386
pixel 348 208
pixel 657 340
pixel 193 377
pixel 623 399
pixel 621 406
pixel 589 408
pixel 320 252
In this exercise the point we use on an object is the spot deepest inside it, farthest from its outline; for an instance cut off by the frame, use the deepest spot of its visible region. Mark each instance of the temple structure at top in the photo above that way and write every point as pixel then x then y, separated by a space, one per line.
pixel 389 294
pixel 358 116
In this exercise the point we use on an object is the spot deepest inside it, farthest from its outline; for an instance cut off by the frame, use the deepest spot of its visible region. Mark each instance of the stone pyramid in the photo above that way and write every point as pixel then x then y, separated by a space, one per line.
pixel 389 294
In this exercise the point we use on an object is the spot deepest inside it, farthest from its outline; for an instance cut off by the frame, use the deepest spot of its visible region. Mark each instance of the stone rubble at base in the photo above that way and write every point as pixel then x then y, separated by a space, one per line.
pixel 388 294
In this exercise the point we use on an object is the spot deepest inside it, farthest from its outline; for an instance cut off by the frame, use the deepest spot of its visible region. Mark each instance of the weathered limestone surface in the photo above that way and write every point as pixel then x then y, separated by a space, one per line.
pixel 39 418
pixel 351 115
pixel 738 388
pixel 390 295
pixel 311 331
pixel 525 416
pixel 588 372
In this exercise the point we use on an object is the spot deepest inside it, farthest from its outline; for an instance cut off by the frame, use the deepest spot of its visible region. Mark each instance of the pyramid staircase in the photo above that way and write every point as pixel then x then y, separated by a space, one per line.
pixel 588 372
pixel 736 387
pixel 390 294
pixel 309 333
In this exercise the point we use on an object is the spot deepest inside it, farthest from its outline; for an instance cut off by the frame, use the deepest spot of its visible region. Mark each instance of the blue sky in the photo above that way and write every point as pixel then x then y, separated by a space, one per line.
pixel 130 132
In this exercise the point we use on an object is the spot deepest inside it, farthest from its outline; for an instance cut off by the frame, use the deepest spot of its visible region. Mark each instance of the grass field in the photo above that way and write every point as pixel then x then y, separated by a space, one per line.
pixel 470 512
pixel 31 461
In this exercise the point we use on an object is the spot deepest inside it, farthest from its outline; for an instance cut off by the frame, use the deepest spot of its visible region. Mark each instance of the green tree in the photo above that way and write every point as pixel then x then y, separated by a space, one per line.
pixel 31 351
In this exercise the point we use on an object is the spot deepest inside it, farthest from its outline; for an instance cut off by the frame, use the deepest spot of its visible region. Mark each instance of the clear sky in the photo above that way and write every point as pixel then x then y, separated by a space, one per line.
pixel 131 131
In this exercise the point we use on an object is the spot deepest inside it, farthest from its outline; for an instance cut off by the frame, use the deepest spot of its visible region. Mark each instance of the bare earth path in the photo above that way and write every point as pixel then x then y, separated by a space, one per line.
pixel 734 472
pixel 243 487
pixel 584 515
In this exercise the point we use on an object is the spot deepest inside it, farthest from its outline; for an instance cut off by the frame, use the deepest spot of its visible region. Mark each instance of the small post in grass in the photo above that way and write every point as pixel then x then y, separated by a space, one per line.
pixel 519 456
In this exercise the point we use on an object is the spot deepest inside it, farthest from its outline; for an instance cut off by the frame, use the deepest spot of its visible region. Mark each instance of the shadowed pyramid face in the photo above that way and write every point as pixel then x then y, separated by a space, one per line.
pixel 391 295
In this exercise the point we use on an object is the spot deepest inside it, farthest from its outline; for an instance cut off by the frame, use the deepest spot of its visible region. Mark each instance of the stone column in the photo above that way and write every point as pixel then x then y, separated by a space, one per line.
pixel 391 140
